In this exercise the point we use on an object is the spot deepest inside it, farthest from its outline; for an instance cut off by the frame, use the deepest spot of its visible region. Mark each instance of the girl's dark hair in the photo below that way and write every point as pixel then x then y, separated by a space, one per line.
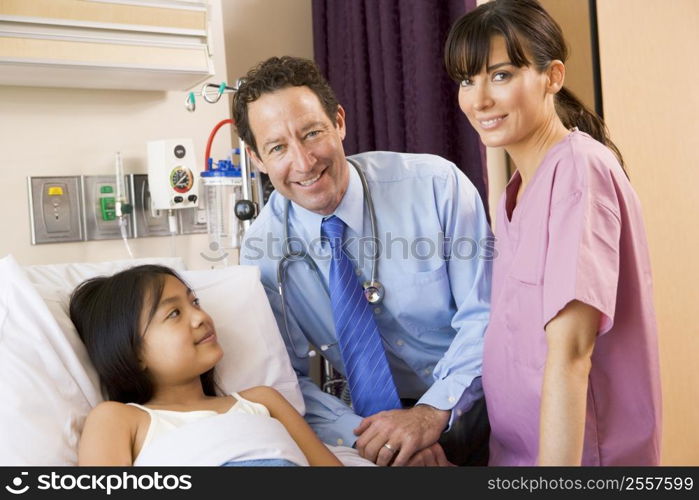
pixel 525 26
pixel 107 313
pixel 274 74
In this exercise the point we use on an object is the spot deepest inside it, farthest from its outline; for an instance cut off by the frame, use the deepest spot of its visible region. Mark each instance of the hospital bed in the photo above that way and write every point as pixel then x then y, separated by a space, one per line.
pixel 48 385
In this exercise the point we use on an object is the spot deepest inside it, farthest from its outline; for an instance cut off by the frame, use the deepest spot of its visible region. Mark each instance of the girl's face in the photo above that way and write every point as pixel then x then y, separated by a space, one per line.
pixel 180 341
pixel 504 103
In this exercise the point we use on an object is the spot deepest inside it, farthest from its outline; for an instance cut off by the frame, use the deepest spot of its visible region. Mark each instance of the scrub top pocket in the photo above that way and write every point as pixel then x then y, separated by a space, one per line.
pixel 526 337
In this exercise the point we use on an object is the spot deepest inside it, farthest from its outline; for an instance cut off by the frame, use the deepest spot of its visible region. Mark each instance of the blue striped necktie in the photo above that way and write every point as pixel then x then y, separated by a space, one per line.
pixel 367 371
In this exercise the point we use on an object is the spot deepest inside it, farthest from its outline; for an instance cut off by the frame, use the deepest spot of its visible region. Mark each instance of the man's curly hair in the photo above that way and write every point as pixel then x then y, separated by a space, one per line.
pixel 277 73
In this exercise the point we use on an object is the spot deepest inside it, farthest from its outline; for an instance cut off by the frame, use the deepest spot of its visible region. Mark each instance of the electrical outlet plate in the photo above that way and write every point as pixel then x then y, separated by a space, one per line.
pixel 80 208
pixel 145 223
pixel 55 210
pixel 99 192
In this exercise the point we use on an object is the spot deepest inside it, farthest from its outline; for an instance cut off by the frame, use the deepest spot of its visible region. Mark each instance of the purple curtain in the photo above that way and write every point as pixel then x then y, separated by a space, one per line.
pixel 384 59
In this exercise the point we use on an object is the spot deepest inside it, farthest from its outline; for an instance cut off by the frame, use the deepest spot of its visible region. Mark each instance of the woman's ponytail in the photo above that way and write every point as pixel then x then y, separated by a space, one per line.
pixel 573 113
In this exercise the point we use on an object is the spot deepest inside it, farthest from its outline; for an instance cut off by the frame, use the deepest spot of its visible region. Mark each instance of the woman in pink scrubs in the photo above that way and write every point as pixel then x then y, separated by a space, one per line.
pixel 570 368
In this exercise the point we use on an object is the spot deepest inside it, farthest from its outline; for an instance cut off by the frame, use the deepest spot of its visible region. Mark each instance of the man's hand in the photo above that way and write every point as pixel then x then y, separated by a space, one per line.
pixel 432 456
pixel 392 437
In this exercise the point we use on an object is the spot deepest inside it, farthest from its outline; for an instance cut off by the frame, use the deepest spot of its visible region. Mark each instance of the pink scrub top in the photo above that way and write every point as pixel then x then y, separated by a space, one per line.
pixel 576 233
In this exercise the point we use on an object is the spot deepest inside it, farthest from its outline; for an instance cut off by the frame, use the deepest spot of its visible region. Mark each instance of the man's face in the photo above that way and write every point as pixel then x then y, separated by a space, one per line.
pixel 300 148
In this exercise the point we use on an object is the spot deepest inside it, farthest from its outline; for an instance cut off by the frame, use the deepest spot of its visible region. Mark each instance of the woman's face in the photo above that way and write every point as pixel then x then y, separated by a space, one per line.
pixel 179 343
pixel 505 104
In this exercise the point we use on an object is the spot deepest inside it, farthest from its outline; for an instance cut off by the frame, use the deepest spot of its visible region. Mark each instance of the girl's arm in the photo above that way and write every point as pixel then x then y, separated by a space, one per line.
pixel 107 436
pixel 311 446
pixel 571 338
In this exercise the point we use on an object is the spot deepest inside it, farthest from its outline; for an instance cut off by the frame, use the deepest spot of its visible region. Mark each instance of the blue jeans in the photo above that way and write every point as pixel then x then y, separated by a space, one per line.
pixel 265 462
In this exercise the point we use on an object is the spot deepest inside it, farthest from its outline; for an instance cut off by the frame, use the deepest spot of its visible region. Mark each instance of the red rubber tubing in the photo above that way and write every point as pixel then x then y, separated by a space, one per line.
pixel 211 140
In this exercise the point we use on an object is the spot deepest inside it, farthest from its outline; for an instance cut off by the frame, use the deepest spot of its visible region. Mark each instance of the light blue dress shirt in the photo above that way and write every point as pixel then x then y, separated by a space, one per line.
pixel 435 264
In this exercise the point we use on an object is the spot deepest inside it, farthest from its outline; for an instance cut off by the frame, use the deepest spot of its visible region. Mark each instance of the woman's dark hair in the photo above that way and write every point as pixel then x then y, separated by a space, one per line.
pixel 277 73
pixel 107 313
pixel 526 27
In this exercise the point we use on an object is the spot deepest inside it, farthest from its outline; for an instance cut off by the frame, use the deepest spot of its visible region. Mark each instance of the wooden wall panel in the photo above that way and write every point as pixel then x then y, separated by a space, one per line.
pixel 650 70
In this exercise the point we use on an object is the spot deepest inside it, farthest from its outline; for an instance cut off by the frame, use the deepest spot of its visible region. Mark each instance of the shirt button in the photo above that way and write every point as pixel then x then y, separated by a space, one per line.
pixel 377 310
pixel 340 442
pixel 452 399
pixel 399 342
pixel 427 371
pixel 358 272
pixel 459 413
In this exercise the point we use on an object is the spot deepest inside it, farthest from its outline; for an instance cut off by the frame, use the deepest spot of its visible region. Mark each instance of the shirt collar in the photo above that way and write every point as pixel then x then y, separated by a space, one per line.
pixel 350 210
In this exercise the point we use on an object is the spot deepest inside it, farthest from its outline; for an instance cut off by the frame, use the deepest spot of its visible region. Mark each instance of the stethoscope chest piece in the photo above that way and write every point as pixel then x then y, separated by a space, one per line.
pixel 374 292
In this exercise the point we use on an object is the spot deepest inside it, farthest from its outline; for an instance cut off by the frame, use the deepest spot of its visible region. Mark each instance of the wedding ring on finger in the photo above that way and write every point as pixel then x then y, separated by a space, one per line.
pixel 390 448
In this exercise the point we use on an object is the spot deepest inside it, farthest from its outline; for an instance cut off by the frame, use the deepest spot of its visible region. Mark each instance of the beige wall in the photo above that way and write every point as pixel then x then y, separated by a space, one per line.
pixel 258 29
pixel 650 70
pixel 574 18
pixel 60 131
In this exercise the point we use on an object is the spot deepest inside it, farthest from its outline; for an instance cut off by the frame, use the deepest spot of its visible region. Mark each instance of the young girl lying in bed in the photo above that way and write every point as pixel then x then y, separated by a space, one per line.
pixel 155 349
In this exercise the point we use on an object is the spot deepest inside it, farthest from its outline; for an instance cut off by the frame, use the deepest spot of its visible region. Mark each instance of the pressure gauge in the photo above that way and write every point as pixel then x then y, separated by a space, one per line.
pixel 181 179
pixel 171 174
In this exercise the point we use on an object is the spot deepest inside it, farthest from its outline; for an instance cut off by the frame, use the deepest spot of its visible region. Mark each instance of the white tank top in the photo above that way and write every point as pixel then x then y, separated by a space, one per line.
pixel 163 422
pixel 245 432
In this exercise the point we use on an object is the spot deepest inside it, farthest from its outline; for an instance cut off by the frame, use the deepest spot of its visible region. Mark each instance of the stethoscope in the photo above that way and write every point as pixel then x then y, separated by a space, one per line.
pixel 374 291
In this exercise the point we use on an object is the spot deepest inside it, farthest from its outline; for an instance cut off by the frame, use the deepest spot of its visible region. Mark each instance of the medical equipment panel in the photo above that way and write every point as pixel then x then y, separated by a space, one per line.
pixel 147 221
pixel 99 193
pixel 172 174
pixel 55 209
pixel 84 208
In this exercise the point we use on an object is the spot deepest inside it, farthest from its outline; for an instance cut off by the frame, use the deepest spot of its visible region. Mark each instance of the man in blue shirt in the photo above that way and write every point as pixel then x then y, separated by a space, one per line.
pixel 435 265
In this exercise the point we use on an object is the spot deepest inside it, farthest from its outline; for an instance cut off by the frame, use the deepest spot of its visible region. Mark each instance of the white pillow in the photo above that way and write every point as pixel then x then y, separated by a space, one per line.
pixel 68 276
pixel 48 385
pixel 41 384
